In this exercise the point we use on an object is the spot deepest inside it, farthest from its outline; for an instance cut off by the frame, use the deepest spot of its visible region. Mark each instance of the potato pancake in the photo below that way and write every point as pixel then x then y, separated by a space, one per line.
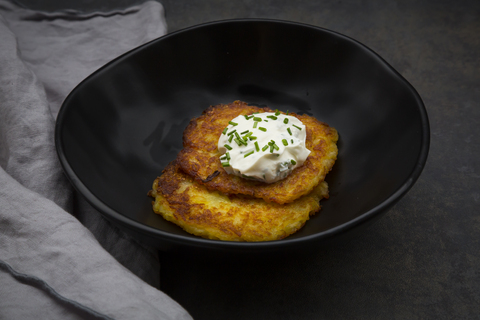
pixel 200 157
pixel 214 215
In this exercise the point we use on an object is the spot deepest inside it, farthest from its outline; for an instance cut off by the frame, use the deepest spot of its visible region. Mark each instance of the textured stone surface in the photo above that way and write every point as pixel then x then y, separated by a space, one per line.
pixel 422 259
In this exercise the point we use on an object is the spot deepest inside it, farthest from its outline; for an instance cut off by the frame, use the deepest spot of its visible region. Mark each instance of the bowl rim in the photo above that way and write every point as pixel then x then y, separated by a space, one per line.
pixel 187 239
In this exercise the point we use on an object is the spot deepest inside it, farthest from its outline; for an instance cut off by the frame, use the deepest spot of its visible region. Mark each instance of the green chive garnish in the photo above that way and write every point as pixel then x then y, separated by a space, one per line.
pixel 244 132
pixel 233 123
pixel 287 112
pixel 277 113
pixel 262 129
pixel 252 138
pixel 293 162
pixel 255 124
pixel 272 117
pixel 257 119
pixel 285 142
pixel 242 142
pixel 230 139
pixel 238 141
pixel 225 164
pixel 265 147
pixel 225 130
pixel 223 158
pixel 275 147
pixel 256 146
pixel 289 131
pixel 228 155
pixel 228 147
pixel 248 117
pixel 251 152
pixel 232 132
pixel 297 127
pixel 285 120
pixel 271 148
pixel 291 140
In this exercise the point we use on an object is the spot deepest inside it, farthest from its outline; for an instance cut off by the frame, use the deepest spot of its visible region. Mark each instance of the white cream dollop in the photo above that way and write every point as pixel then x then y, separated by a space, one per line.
pixel 267 151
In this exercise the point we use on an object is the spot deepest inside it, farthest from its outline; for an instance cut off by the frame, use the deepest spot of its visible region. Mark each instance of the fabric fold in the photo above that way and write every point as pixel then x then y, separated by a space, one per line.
pixel 51 265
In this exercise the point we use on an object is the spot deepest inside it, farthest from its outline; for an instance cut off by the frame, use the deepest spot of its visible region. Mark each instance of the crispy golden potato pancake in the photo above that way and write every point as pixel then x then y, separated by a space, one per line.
pixel 200 157
pixel 213 215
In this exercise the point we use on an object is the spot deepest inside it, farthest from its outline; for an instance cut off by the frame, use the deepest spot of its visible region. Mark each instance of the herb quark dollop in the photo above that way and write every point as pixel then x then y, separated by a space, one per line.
pixel 263 146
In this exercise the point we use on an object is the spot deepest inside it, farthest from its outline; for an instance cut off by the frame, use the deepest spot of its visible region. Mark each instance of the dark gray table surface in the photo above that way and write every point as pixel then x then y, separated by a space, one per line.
pixel 422 259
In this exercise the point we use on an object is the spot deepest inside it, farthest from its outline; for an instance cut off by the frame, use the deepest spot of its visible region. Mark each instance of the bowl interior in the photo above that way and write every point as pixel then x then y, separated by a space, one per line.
pixel 121 126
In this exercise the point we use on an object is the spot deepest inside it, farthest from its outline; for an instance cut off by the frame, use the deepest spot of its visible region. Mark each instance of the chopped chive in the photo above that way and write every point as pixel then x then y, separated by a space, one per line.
pixel 256 146
pixel 237 135
pixel 248 117
pixel 271 148
pixel 285 142
pixel 262 129
pixel 257 119
pixel 245 138
pixel 252 138
pixel 255 124
pixel 265 147
pixel 225 164
pixel 272 117
pixel 277 112
pixel 225 130
pixel 241 142
pixel 228 147
pixel 293 162
pixel 289 131
pixel 228 155
pixel 256 112
pixel 285 120
pixel 248 134
pixel 223 158
pixel 230 139
pixel 233 123
pixel 275 147
pixel 287 112
pixel 244 132
pixel 238 141
pixel 232 132
pixel 291 140
pixel 251 152
pixel 297 127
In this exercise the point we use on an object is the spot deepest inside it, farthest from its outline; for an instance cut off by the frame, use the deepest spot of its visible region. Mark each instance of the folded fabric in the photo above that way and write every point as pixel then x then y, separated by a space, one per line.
pixel 59 258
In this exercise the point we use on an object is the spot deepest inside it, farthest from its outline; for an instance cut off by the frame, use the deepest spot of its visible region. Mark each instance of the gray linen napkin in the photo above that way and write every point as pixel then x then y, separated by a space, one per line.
pixel 59 259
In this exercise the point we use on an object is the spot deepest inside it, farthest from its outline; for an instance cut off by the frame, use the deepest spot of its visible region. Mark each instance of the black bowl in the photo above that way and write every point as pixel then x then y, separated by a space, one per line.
pixel 120 127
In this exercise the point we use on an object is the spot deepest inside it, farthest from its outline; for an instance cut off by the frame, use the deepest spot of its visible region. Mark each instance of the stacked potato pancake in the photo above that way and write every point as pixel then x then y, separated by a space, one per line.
pixel 196 193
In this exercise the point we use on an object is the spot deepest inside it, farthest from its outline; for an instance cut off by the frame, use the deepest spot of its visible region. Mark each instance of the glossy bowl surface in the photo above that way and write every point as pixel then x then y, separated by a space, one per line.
pixel 120 127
